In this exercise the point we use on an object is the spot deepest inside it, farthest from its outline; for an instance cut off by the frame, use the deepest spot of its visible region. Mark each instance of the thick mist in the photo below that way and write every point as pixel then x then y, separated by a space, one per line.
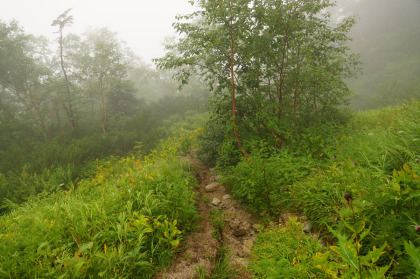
pixel 387 36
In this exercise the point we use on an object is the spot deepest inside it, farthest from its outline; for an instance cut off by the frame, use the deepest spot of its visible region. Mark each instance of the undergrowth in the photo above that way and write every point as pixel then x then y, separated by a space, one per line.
pixel 125 222
pixel 285 252
pixel 375 157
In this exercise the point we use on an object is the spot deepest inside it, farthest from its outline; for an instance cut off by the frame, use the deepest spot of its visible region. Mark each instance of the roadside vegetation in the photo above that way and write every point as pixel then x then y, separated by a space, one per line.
pixel 375 158
pixel 125 221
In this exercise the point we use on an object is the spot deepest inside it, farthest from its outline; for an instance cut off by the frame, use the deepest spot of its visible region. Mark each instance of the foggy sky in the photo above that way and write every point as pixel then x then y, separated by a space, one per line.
pixel 142 24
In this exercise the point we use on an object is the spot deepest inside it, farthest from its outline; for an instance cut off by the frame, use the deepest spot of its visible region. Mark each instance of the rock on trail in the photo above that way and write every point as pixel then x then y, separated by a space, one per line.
pixel 201 248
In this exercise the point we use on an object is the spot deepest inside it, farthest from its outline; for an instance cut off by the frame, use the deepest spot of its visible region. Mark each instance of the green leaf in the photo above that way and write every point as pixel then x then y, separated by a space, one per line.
pixel 85 247
pixel 373 256
pixel 78 266
pixel 175 243
pixel 42 245
pixel 414 254
pixel 379 273
pixel 347 249
pixel 348 252
pixel 142 263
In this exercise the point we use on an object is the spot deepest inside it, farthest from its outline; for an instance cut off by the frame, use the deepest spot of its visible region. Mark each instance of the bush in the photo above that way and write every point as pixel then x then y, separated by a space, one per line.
pixel 263 184
pixel 210 140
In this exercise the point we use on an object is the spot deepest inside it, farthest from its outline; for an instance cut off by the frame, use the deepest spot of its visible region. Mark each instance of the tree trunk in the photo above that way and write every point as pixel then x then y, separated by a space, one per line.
pixel 103 104
pixel 232 76
pixel 68 109
pixel 295 93
pixel 57 115
pixel 280 89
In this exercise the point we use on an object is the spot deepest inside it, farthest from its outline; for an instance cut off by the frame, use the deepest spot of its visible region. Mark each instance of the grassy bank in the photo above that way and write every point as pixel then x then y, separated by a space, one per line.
pixel 125 222
pixel 375 158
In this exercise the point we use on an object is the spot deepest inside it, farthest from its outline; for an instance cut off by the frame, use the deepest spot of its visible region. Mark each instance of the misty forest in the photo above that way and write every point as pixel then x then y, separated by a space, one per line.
pixel 274 139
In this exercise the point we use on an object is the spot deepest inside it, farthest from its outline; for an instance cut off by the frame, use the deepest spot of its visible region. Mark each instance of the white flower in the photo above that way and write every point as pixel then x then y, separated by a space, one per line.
pixel 370 134
pixel 415 139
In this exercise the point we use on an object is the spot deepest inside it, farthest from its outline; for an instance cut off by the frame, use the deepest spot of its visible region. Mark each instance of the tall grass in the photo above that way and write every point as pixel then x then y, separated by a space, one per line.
pixel 126 222
pixel 375 157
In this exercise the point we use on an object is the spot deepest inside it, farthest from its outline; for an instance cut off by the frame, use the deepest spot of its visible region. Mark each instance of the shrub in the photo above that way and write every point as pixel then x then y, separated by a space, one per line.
pixel 210 140
pixel 263 184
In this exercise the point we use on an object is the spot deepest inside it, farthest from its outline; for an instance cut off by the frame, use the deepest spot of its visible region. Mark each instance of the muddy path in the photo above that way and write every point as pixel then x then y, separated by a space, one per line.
pixel 224 223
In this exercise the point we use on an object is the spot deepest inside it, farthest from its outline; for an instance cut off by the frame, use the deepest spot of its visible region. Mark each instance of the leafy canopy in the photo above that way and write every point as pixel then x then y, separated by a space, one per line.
pixel 289 59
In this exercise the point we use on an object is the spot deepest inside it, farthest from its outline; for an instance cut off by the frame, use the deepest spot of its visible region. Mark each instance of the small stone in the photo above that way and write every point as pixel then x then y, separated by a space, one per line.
pixel 307 226
pixel 216 201
pixel 211 187
pixel 248 245
pixel 226 197
pixel 229 213
pixel 239 232
pixel 246 226
pixel 234 224
pixel 241 262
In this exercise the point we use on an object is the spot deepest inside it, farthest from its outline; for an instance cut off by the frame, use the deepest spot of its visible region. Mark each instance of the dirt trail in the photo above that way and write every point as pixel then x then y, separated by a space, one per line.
pixel 201 248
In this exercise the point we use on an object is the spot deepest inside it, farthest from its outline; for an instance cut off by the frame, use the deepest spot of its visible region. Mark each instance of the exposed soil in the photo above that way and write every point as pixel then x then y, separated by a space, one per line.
pixel 201 248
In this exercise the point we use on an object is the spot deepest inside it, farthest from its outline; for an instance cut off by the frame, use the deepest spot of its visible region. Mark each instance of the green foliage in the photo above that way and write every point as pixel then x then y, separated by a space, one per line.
pixel 17 187
pixel 210 140
pixel 319 196
pixel 263 184
pixel 31 166
pixel 222 268
pixel 218 222
pixel 59 113
pixel 387 204
pixel 373 157
pixel 127 221
pixel 216 219
pixel 394 130
pixel 414 254
pixel 284 77
pixel 343 260
pixel 61 161
pixel 285 252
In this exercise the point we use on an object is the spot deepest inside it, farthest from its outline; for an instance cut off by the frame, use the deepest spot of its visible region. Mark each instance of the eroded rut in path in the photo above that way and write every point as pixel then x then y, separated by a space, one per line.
pixel 202 248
